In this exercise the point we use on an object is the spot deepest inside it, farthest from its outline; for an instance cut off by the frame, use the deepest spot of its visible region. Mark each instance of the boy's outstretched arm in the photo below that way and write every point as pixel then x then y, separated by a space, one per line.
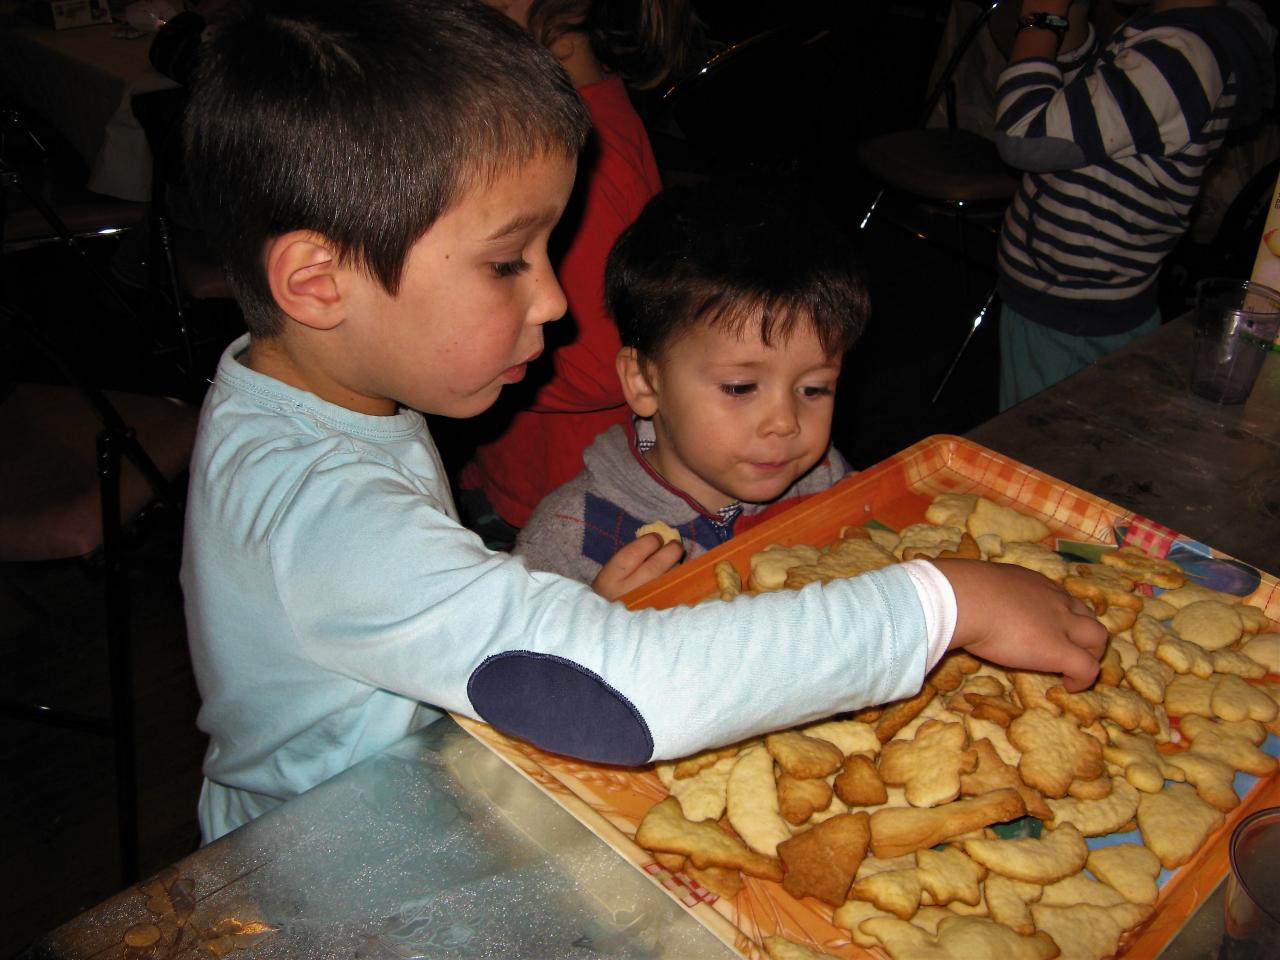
pixel 635 564
pixel 1022 619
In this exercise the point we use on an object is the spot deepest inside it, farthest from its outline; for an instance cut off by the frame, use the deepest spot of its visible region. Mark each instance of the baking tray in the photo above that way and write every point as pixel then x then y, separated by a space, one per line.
pixel 611 801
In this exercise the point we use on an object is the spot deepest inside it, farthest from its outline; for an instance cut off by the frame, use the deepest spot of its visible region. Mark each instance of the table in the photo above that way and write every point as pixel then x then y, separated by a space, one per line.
pixel 82 80
pixel 436 849
pixel 1128 430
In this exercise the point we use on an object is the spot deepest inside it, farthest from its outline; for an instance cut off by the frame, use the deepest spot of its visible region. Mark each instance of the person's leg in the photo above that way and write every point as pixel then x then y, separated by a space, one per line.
pixel 1033 357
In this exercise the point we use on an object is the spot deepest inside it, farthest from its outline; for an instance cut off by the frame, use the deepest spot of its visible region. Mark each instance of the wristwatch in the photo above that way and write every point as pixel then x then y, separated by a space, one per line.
pixel 1044 21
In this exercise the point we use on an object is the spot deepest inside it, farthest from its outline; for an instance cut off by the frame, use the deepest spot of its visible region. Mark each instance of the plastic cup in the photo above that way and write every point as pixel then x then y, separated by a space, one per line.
pixel 1236 322
pixel 1253 889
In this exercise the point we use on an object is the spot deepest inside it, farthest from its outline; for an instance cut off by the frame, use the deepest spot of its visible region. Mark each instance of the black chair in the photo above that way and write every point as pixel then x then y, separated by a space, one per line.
pixel 74 473
pixel 756 104
pixel 43 200
pixel 946 170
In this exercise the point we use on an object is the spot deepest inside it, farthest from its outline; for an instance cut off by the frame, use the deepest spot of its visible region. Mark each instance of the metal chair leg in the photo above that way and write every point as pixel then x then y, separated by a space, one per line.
pixel 119 654
pixel 973 328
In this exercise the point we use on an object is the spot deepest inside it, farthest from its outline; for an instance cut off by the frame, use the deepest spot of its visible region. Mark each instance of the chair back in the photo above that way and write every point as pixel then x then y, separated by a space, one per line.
pixel 969 26
pixel 760 103
pixel 51 505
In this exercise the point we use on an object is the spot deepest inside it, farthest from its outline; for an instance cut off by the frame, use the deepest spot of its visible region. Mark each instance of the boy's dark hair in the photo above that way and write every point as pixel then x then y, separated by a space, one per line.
pixel 733 254
pixel 363 122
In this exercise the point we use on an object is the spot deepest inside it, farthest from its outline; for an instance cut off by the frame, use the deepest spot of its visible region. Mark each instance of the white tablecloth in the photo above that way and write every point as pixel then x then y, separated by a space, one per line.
pixel 82 81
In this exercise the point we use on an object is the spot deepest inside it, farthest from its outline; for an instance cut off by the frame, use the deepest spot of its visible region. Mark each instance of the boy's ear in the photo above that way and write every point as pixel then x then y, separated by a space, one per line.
pixel 304 273
pixel 639 391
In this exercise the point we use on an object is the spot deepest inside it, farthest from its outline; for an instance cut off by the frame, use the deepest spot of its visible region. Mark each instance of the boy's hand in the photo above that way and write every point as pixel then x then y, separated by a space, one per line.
pixel 643 559
pixel 1021 619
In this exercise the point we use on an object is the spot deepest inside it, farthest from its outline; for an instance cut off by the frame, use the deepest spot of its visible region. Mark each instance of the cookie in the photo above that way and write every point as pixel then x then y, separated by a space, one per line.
pixel 1009 902
pixel 1085 931
pixel 799 799
pixel 894 891
pixel 1211 624
pixel 1145 767
pixel 706 843
pixel 948 876
pixel 769 567
pixel 1054 752
pixel 1052 856
pixel 804 756
pixel 701 796
pixel 992 773
pixel 850 736
pixel 1130 868
pixel 1034 557
pixel 1138 565
pixel 951 509
pixel 821 862
pixel 859 783
pixel 930 765
pixel 665 531
pixel 1175 823
pixel 1097 818
pixel 899 830
pixel 958 938
pixel 1005 522
pixel 751 802
pixel 728 580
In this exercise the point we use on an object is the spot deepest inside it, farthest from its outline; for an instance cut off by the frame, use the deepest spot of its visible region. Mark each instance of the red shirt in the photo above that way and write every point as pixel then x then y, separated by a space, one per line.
pixel 542 447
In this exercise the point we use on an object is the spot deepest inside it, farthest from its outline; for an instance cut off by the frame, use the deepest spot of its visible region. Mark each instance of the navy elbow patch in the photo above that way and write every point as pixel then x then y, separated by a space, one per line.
pixel 561 706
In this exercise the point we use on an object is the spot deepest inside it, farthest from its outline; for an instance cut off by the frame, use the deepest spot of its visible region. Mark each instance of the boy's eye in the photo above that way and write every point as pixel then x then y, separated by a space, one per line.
pixel 737 389
pixel 509 268
pixel 817 391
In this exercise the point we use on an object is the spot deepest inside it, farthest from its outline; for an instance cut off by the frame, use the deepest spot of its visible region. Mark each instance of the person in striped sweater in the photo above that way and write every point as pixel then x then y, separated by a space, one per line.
pixel 1114 154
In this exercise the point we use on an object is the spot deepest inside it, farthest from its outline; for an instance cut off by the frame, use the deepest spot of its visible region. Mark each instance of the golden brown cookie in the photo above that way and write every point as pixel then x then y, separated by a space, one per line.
pixel 706 843
pixel 1128 867
pixel 1175 823
pixel 930 765
pixel 1044 859
pixel 899 830
pixel 822 861
pixel 1054 752
pixel 859 783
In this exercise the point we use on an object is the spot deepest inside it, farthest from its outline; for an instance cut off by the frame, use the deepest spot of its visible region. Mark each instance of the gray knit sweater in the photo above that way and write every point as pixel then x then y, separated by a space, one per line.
pixel 583 523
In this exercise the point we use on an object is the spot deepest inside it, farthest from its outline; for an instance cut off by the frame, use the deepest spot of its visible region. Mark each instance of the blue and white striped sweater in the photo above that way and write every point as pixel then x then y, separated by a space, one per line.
pixel 1115 154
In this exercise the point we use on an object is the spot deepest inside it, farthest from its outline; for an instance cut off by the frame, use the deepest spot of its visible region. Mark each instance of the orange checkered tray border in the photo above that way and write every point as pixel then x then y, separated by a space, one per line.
pixel 611 801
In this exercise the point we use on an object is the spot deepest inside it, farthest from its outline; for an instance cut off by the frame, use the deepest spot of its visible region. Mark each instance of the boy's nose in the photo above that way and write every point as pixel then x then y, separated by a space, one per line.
pixel 549 301
pixel 782 418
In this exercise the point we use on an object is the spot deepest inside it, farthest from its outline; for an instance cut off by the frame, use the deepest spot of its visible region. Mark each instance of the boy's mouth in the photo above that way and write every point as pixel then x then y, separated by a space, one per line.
pixel 516 373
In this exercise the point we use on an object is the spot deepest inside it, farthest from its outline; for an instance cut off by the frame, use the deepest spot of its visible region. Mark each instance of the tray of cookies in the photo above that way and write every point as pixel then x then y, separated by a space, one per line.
pixel 994 813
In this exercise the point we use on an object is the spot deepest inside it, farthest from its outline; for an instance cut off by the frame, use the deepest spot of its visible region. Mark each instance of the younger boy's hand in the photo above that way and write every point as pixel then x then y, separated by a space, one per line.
pixel 1021 619
pixel 643 559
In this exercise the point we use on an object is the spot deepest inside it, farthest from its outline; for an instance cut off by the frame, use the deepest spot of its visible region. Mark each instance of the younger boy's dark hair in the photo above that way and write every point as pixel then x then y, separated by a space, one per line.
pixel 734 254
pixel 363 121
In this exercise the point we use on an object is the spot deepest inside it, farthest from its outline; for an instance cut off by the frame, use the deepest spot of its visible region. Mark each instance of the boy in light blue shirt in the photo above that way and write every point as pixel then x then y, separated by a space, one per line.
pixel 381 180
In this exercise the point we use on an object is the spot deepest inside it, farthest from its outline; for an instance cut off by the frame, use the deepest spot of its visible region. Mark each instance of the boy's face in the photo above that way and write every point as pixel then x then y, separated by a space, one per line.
pixel 476 289
pixel 738 420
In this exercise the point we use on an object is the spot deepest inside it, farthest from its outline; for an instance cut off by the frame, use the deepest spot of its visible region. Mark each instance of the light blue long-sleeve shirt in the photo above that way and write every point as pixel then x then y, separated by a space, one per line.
pixel 334 604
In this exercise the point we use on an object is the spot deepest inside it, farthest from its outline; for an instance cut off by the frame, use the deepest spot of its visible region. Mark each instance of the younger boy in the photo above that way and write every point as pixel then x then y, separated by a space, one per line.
pixel 380 179
pixel 735 304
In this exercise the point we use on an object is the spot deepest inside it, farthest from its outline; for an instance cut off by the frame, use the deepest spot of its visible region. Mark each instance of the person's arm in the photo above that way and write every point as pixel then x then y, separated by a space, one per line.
pixel 1041 43
pixel 388 591
pixel 1123 105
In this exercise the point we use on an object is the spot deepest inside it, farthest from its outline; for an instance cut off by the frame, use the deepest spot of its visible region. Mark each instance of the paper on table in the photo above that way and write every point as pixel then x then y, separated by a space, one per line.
pixel 1266 266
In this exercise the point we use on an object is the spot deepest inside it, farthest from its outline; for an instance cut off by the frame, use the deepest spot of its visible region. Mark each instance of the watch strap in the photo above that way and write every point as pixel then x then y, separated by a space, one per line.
pixel 1044 21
